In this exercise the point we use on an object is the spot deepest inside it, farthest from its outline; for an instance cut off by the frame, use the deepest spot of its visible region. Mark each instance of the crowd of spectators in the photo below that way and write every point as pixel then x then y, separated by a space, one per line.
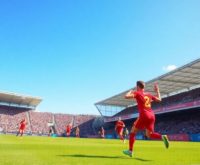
pixel 85 124
pixel 10 117
pixel 183 122
pixel 186 121
pixel 39 122
pixel 179 122
pixel 61 121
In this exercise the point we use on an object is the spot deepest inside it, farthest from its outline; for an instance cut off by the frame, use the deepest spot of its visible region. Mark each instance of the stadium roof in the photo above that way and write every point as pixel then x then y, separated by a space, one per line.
pixel 13 99
pixel 179 80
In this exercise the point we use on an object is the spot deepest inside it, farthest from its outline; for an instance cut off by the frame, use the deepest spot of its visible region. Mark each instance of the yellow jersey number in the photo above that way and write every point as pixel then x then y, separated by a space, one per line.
pixel 147 103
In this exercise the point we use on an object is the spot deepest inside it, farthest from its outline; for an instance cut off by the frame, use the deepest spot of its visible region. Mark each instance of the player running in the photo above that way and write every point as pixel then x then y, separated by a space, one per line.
pixel 77 132
pixel 119 127
pixel 68 129
pixel 146 117
pixel 51 132
pixel 102 133
pixel 22 126
pixel 125 133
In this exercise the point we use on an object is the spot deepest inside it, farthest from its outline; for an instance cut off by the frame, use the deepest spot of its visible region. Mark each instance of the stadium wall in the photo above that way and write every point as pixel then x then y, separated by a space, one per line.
pixel 172 137
pixel 166 109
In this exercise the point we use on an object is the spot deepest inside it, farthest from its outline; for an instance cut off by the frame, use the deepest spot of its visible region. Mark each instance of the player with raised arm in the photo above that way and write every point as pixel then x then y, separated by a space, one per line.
pixel 146 117
pixel 119 126
pixel 22 127
pixel 68 129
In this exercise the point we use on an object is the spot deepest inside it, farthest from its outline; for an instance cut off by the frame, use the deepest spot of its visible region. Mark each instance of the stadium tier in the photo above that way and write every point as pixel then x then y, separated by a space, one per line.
pixel 10 118
pixel 177 115
pixel 181 99
pixel 39 122
pixel 61 121
pixel 14 108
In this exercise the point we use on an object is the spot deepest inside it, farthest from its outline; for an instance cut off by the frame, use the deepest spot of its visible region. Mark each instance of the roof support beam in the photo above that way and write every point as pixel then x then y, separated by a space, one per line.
pixel 179 81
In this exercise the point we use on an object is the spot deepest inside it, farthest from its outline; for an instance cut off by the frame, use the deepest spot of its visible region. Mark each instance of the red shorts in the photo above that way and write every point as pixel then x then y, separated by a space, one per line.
pixel 68 133
pixel 145 121
pixel 22 128
pixel 119 131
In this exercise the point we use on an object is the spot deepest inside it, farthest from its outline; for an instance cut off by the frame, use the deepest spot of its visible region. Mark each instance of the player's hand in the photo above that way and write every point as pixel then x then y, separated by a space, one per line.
pixel 156 88
pixel 129 94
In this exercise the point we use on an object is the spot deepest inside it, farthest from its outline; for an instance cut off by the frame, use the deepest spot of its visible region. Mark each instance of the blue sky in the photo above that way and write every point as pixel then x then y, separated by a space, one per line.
pixel 73 53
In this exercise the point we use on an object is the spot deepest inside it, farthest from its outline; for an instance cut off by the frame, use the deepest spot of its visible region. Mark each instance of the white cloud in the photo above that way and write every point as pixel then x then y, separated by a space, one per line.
pixel 169 68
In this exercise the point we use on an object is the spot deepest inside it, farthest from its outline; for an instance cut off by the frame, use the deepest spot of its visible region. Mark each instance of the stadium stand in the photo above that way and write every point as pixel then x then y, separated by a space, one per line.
pixel 184 97
pixel 61 121
pixel 180 122
pixel 178 115
pixel 39 120
pixel 14 108
pixel 10 118
pixel 85 124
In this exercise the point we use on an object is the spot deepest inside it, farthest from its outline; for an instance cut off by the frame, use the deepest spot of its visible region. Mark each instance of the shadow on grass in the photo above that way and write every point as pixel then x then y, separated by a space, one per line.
pixel 104 157
pixel 93 156
pixel 143 160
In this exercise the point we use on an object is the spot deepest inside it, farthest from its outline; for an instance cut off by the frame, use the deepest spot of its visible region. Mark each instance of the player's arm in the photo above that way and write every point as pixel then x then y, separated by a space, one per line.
pixel 156 89
pixel 129 95
pixel 115 126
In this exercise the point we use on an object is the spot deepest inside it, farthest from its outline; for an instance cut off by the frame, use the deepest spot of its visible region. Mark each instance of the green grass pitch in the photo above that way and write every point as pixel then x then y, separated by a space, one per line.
pixel 71 151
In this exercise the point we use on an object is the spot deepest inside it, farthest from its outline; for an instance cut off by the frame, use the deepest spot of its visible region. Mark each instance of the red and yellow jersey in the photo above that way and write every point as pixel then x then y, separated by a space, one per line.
pixel 144 100
pixel 68 128
pixel 22 124
pixel 119 124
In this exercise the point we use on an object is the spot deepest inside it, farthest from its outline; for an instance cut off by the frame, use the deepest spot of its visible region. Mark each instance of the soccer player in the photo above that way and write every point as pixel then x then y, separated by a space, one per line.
pixel 77 132
pixel 22 126
pixel 125 133
pixel 68 129
pixel 50 131
pixel 146 117
pixel 102 133
pixel 119 126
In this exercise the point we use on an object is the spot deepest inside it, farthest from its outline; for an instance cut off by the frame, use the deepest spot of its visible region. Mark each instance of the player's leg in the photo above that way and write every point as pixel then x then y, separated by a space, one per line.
pixel 155 135
pixel 136 126
pixel 134 131
pixel 129 152
pixel 22 132
pixel 18 132
pixel 165 140
pixel 120 133
pixel 149 125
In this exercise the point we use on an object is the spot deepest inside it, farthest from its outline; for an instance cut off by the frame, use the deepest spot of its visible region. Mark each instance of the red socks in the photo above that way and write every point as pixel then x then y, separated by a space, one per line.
pixel 121 137
pixel 155 136
pixel 131 141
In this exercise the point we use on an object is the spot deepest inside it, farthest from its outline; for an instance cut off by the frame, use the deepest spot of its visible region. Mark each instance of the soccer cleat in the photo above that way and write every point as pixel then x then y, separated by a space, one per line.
pixel 127 152
pixel 165 140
